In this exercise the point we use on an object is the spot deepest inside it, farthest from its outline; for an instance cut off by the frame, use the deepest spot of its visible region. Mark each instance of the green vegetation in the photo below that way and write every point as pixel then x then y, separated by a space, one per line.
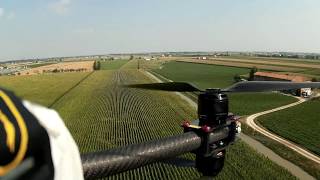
pixel 112 65
pixel 312 73
pixel 252 72
pixel 101 114
pixel 44 89
pixel 205 76
pixel 302 67
pixel 201 75
pixel 250 103
pixel 306 164
pixel 40 64
pixel 299 124
pixel 96 65
pixel 276 59
pixel 303 119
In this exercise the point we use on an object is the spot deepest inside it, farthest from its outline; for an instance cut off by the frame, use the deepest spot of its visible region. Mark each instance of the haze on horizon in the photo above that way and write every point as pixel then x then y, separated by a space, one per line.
pixel 50 28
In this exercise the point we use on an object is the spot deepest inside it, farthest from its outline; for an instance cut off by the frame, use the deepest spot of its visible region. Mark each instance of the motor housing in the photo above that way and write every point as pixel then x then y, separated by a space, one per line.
pixel 213 108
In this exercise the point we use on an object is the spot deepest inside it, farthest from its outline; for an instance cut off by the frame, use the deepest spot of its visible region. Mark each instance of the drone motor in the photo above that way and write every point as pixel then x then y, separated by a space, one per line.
pixel 213 108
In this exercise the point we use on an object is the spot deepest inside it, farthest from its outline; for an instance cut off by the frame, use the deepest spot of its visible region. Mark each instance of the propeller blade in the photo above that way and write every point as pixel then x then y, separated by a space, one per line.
pixel 263 86
pixel 169 86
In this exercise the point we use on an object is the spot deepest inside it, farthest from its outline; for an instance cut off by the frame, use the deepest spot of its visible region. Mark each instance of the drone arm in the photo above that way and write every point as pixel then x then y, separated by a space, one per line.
pixel 122 159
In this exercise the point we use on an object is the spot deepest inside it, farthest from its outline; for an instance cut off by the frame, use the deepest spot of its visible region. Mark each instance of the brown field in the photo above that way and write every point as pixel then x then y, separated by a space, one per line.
pixel 273 62
pixel 278 59
pixel 242 64
pixel 80 66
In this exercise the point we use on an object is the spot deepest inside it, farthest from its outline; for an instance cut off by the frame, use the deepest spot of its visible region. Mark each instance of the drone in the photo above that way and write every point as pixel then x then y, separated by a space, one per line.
pixel 208 137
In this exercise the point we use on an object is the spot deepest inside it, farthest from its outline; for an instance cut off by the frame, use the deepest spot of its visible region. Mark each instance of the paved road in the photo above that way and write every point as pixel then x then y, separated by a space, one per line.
pixel 292 168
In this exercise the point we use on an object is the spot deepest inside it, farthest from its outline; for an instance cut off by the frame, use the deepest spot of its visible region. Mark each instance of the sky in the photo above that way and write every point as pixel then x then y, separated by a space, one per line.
pixel 50 28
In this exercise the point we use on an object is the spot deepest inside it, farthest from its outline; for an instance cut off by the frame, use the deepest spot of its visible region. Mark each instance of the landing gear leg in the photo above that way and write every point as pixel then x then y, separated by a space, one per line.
pixel 212 165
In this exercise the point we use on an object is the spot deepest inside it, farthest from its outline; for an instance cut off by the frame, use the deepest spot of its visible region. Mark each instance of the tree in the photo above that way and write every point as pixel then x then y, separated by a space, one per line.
pixel 314 80
pixel 237 78
pixel 252 72
pixel 98 65
pixel 95 65
pixel 131 57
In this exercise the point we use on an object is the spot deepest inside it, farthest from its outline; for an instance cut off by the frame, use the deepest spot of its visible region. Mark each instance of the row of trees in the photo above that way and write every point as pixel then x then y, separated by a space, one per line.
pixel 238 78
pixel 64 70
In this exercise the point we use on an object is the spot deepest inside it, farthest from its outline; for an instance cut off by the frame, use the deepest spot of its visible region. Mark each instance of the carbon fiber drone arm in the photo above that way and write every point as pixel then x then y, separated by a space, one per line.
pixel 106 163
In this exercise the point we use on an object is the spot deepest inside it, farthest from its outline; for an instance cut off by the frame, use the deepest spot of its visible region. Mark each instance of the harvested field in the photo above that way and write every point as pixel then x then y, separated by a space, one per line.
pixel 245 65
pixel 273 62
pixel 43 89
pixel 276 59
pixel 80 66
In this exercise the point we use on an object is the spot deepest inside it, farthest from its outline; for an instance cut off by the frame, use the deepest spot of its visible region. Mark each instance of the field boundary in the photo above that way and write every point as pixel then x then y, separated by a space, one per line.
pixel 259 147
pixel 273 63
pixel 190 102
pixel 190 95
pixel 250 121
pixel 265 67
pixel 69 90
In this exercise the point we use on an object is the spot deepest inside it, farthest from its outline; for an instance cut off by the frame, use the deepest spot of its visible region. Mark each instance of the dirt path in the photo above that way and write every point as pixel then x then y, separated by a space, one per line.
pixel 250 121
pixel 292 168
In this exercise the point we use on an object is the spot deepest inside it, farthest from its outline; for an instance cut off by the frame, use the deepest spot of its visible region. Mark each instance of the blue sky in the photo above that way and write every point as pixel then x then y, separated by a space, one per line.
pixel 46 28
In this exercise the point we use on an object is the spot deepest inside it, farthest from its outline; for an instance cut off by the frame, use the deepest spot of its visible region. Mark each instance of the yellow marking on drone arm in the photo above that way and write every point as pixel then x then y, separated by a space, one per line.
pixel 10 131
pixel 24 136
pixel 195 126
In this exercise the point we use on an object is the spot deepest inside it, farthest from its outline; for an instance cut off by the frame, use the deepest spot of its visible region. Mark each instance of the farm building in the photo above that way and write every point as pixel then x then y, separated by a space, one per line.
pixel 270 76
pixel 202 58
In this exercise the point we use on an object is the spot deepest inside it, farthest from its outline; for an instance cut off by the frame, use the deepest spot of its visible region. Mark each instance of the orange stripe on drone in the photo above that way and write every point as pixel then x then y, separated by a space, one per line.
pixel 10 130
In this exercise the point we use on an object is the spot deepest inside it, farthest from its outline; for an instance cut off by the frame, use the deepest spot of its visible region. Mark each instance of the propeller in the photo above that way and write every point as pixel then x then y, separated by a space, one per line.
pixel 169 86
pixel 263 86
pixel 244 86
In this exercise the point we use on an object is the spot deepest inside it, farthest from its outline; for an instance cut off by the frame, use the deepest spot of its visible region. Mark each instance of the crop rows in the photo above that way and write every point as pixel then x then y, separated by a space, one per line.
pixel 101 115
pixel 299 124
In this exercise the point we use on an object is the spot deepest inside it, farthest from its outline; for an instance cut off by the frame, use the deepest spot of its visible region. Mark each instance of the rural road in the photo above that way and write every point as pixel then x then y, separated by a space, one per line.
pixel 292 168
pixel 250 122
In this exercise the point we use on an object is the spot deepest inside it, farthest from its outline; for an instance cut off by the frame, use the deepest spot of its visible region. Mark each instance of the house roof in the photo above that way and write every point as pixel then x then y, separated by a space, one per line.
pixel 287 77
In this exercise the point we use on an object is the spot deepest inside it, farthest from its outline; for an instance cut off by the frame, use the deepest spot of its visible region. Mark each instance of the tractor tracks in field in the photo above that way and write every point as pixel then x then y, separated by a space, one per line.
pixel 291 167
pixel 69 90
